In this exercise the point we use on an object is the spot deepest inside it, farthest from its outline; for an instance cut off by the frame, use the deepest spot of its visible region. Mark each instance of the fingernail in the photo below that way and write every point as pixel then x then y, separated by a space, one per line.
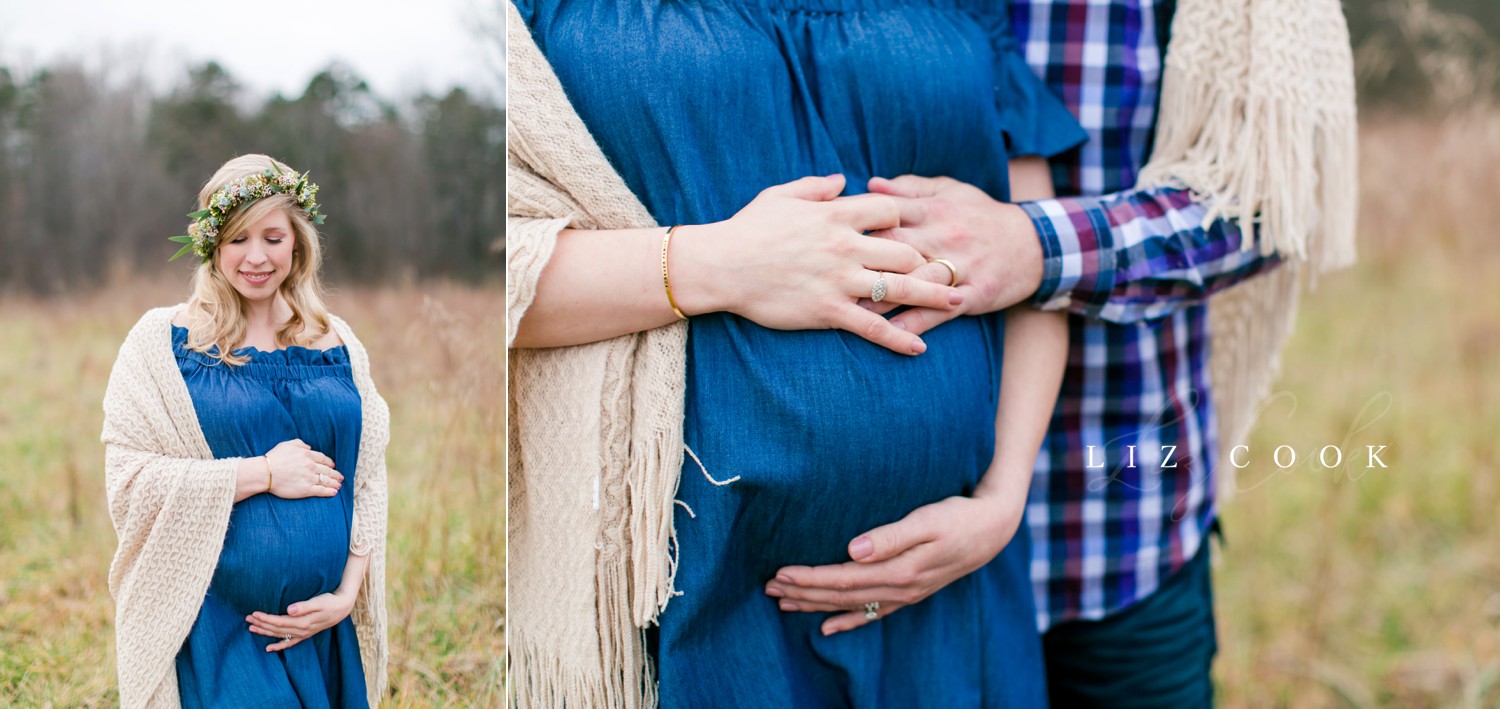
pixel 955 298
pixel 828 631
pixel 861 548
pixel 899 325
pixel 784 578
pixel 918 346
pixel 775 592
pixel 789 606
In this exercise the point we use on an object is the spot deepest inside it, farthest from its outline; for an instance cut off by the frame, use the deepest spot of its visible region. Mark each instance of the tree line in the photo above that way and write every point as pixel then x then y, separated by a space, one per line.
pixel 96 172
pixel 1425 55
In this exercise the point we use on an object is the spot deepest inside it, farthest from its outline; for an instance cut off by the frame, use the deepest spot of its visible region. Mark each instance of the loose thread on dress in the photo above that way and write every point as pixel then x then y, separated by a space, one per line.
pixel 705 470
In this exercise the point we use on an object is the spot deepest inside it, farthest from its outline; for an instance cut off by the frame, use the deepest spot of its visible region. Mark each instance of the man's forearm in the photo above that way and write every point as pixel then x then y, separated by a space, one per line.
pixel 1137 254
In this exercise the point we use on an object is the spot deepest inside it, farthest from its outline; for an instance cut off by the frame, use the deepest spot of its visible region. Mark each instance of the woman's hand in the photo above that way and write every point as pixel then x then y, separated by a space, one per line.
pixel 298 471
pixel 303 620
pixel 902 563
pixel 796 258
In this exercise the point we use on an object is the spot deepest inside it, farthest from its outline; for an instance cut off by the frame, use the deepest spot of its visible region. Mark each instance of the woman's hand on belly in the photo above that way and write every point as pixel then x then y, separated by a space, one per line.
pixel 298 471
pixel 310 617
pixel 303 620
pixel 902 563
pixel 794 258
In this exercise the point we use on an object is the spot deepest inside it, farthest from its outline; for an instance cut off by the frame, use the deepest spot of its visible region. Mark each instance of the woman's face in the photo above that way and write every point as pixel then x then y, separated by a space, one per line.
pixel 258 259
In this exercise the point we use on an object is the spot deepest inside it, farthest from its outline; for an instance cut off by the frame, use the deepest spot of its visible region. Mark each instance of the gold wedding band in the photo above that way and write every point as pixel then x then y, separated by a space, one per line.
pixel 952 270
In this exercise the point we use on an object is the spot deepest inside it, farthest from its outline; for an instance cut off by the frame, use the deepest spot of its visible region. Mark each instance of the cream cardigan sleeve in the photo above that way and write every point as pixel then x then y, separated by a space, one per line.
pixel 536 210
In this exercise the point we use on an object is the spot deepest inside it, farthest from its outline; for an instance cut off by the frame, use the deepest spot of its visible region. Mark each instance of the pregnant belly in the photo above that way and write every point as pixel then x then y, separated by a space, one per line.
pixel 278 552
pixel 830 435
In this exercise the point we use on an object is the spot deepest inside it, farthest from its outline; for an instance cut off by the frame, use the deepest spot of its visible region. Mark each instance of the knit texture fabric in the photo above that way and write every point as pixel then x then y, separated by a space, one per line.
pixel 170 500
pixel 594 433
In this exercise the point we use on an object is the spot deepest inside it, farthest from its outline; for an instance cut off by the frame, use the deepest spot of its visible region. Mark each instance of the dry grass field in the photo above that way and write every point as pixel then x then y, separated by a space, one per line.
pixel 437 357
pixel 1381 587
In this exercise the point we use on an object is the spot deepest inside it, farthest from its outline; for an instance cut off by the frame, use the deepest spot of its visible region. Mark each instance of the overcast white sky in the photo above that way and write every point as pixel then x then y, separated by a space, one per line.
pixel 400 48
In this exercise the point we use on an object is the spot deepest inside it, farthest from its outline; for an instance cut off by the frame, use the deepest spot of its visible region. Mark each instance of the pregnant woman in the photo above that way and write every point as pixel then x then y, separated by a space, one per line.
pixel 806 418
pixel 245 463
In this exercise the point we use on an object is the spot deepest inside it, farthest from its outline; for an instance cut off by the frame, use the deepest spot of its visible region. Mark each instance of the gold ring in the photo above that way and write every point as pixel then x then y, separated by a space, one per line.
pixel 952 270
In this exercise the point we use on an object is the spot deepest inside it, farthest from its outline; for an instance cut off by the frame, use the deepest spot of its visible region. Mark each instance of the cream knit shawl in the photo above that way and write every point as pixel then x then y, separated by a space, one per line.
pixel 595 431
pixel 170 500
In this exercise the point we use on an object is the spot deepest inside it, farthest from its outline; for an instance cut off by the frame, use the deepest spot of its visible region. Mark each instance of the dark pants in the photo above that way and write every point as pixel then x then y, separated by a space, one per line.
pixel 1155 653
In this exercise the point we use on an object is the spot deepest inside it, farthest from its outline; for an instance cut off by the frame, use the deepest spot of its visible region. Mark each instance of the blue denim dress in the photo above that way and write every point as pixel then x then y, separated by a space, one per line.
pixel 277 552
pixel 700 105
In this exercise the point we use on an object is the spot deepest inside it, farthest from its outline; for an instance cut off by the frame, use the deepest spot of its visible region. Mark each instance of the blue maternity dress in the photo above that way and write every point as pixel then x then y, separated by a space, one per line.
pixel 700 105
pixel 277 552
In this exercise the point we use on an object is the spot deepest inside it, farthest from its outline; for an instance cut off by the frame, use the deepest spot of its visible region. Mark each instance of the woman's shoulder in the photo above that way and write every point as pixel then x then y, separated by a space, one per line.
pixel 339 333
pixel 358 357
pixel 181 318
pixel 330 339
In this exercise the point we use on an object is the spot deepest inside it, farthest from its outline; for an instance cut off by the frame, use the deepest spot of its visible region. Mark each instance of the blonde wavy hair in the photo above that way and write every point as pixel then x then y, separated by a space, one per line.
pixel 218 312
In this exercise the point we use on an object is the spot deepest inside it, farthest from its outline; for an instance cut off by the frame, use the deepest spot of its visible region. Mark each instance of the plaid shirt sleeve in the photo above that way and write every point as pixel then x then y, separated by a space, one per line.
pixel 1136 255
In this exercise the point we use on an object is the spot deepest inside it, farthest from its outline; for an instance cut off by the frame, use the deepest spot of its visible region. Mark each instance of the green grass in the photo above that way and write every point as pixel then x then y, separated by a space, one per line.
pixel 437 359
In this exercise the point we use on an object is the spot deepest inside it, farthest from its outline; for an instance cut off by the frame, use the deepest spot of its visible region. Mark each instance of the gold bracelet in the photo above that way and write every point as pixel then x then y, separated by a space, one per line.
pixel 269 477
pixel 665 281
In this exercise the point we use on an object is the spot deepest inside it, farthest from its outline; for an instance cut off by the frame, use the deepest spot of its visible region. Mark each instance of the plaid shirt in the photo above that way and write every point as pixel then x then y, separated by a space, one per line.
pixel 1132 267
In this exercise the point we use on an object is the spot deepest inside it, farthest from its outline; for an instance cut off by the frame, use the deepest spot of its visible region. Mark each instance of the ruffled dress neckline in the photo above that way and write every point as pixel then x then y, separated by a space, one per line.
pixel 293 362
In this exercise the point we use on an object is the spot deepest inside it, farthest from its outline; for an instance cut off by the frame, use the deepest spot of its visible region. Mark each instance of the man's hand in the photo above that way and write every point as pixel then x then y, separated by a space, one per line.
pixel 902 563
pixel 993 244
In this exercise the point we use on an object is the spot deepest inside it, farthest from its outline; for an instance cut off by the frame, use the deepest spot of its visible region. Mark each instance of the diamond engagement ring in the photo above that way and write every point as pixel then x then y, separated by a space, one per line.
pixel 877 291
pixel 320 480
pixel 872 610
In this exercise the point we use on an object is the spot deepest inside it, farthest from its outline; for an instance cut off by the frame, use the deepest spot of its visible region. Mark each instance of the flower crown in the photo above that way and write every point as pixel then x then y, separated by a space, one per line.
pixel 203 233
